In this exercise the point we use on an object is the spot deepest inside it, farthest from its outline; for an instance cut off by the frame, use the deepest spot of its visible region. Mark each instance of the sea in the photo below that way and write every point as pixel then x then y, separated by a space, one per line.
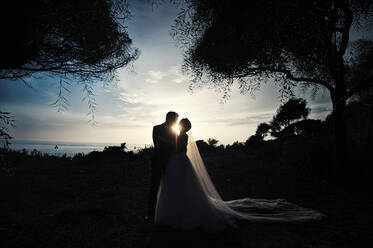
pixel 69 148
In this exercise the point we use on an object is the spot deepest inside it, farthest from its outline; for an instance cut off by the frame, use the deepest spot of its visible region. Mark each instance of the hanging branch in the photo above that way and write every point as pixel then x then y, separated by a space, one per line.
pixel 6 121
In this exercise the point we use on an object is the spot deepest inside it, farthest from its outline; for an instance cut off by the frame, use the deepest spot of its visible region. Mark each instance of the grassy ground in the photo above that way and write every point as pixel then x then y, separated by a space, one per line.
pixel 62 203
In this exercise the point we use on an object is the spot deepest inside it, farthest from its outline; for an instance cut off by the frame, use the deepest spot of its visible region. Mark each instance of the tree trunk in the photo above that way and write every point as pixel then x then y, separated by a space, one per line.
pixel 339 128
pixel 337 70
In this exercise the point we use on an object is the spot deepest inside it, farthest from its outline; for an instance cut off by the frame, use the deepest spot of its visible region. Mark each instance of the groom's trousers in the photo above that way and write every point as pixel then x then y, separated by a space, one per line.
pixel 155 180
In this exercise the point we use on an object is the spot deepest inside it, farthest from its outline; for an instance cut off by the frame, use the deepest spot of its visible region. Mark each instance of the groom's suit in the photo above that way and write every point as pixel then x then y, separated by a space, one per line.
pixel 164 140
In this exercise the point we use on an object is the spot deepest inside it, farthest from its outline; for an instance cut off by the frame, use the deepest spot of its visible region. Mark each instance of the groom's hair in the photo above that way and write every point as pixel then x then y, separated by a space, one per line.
pixel 171 116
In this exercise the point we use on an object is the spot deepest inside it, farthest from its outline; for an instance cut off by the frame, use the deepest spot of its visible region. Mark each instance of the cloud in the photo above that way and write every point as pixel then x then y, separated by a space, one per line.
pixel 154 76
pixel 132 99
pixel 175 75
pixel 172 74
pixel 250 119
pixel 320 109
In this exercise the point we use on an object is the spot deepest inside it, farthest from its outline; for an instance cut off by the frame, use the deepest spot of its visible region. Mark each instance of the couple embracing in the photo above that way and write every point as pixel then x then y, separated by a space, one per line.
pixel 183 196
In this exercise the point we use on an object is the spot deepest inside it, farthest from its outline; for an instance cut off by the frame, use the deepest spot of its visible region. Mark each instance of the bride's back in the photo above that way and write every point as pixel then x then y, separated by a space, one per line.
pixel 182 142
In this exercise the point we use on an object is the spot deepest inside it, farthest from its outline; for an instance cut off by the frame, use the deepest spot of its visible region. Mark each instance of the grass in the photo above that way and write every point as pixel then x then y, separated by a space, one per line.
pixel 66 203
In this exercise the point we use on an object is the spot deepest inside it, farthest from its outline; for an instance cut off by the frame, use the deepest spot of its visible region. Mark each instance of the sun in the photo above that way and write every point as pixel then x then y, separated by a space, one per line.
pixel 176 128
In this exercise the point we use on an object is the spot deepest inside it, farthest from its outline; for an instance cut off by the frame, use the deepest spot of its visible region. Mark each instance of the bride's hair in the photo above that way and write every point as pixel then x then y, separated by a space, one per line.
pixel 185 124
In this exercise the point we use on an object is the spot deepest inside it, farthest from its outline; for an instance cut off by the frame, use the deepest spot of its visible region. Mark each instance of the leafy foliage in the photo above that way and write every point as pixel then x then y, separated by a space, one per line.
pixel 292 42
pixel 6 121
pixel 293 109
pixel 286 122
pixel 359 70
pixel 305 128
pixel 253 140
pixel 227 40
pixel 82 39
pixel 212 142
pixel 262 130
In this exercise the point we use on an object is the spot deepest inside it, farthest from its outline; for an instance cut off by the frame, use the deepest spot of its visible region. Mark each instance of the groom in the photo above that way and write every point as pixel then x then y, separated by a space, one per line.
pixel 164 139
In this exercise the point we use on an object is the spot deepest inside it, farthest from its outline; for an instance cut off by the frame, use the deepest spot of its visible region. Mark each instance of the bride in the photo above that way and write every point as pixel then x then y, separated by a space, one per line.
pixel 188 199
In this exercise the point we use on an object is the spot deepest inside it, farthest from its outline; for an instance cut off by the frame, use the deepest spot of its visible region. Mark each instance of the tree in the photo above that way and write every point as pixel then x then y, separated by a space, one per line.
pixel 123 146
pixel 6 121
pixel 359 66
pixel 300 42
pixel 73 39
pixel 212 142
pixel 254 140
pixel 78 38
pixel 236 146
pixel 262 130
pixel 306 128
pixel 294 109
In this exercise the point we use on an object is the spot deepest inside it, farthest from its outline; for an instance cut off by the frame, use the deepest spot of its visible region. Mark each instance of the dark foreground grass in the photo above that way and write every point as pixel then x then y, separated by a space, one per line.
pixel 64 203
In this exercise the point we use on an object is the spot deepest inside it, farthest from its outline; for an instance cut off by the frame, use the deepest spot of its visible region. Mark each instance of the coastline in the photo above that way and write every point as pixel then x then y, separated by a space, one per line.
pixel 63 147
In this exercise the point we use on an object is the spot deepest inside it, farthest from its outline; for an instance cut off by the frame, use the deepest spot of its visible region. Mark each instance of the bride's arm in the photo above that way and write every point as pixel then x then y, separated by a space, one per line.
pixel 183 143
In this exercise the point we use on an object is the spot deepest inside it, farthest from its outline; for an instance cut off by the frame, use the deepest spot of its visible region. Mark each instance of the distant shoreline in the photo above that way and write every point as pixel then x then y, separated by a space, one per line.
pixel 70 148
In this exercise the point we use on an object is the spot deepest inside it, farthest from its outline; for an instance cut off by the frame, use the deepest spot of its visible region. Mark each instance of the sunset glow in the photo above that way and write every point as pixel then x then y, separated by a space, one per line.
pixel 176 128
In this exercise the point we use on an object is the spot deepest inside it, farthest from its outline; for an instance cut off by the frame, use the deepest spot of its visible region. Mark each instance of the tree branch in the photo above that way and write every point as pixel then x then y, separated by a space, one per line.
pixel 290 76
pixel 346 28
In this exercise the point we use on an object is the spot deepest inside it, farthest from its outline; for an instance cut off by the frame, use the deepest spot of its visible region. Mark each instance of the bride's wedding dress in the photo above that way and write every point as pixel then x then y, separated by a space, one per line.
pixel 188 199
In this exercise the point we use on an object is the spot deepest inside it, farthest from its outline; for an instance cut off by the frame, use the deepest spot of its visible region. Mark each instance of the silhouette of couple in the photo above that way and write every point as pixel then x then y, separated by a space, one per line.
pixel 183 196
pixel 165 144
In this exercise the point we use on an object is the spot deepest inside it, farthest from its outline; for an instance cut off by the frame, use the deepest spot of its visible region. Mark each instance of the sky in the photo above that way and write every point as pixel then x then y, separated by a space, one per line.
pixel 144 93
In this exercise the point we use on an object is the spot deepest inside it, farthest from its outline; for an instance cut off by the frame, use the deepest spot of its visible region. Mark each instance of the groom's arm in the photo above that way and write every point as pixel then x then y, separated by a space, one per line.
pixel 154 136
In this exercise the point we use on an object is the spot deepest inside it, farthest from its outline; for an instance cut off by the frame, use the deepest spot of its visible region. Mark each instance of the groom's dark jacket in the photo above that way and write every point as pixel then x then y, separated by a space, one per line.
pixel 164 140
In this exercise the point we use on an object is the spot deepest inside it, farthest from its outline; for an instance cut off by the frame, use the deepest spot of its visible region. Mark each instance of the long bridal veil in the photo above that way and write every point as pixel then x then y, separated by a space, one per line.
pixel 253 209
